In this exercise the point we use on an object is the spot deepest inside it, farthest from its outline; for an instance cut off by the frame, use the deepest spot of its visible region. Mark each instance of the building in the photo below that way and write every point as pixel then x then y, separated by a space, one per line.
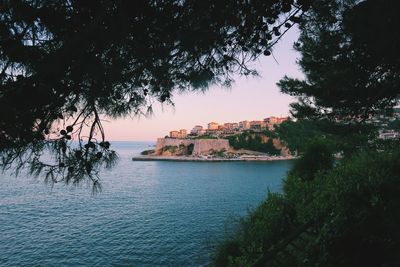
pixel 275 120
pixel 214 133
pixel 396 112
pixel 197 130
pixel 213 126
pixel 389 134
pixel 231 126
pixel 228 126
pixel 181 134
pixel 271 121
pixel 282 119
pixel 258 125
pixel 244 125
pixel 173 134
pixel 221 128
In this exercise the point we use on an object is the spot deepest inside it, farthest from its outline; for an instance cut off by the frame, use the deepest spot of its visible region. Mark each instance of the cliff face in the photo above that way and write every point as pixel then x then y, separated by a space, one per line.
pixel 204 146
pixel 277 144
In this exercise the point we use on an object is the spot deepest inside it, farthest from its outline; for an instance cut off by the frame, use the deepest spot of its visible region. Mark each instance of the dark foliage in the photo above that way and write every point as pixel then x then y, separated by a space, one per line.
pixel 147 152
pixel 339 137
pixel 297 135
pixel 317 157
pixel 350 57
pixel 253 141
pixel 342 213
pixel 65 65
pixel 190 149
pixel 345 216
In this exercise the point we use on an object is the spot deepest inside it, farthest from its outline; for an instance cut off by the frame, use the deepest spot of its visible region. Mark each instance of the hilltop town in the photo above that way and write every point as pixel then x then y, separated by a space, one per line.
pixel 216 130
pixel 244 140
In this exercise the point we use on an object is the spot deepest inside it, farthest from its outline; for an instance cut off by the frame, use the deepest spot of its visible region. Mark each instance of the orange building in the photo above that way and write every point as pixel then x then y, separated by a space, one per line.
pixel 212 126
pixel 181 134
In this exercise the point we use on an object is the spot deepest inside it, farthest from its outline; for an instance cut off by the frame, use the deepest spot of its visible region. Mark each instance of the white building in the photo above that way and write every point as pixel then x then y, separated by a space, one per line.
pixel 391 134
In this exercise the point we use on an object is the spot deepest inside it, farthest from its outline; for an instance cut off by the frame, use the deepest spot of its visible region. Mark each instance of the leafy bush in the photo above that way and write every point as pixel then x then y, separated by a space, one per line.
pixel 171 149
pixel 339 137
pixel 217 153
pixel 317 157
pixel 147 152
pixel 348 215
pixel 253 141
pixel 190 149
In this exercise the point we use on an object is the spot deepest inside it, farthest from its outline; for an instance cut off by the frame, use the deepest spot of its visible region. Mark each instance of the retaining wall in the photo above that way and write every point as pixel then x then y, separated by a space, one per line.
pixel 163 142
pixel 203 146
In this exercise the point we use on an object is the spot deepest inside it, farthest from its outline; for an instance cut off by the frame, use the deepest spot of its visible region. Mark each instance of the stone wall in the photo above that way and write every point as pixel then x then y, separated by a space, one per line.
pixel 203 146
pixel 163 142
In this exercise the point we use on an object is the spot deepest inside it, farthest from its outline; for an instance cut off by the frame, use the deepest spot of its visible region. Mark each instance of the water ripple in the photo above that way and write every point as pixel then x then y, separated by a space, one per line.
pixel 149 213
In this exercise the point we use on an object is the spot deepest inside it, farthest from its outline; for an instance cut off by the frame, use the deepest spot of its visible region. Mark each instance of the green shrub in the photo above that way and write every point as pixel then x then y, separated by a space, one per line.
pixel 347 215
pixel 190 149
pixel 253 141
pixel 218 153
pixel 147 152
pixel 317 157
pixel 171 149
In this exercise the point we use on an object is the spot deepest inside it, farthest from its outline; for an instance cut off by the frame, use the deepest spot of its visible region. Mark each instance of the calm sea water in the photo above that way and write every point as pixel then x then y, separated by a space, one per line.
pixel 148 214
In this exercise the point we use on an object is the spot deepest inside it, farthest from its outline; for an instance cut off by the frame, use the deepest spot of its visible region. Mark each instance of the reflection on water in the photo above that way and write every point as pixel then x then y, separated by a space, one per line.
pixel 149 213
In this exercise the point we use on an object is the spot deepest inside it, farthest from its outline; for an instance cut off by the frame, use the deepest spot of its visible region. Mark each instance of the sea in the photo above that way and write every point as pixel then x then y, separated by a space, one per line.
pixel 149 213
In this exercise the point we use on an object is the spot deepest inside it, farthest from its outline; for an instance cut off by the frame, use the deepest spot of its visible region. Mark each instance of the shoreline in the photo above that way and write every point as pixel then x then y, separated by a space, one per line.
pixel 206 159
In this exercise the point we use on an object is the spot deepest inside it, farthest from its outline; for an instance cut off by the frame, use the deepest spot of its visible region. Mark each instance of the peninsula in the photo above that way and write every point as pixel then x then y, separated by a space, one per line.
pixel 243 141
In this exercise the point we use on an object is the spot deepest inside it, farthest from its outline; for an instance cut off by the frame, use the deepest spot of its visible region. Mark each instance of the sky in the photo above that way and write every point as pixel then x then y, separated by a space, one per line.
pixel 249 98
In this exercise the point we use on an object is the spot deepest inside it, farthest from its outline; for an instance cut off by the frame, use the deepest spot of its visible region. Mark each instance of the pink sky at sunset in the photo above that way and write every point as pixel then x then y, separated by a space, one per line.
pixel 250 98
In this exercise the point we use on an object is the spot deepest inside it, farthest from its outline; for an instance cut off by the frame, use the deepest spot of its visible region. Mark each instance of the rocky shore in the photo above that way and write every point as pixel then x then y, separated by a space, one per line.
pixel 210 159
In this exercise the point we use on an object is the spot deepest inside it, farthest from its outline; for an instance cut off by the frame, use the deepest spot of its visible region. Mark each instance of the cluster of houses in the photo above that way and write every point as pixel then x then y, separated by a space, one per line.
pixel 386 132
pixel 215 129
